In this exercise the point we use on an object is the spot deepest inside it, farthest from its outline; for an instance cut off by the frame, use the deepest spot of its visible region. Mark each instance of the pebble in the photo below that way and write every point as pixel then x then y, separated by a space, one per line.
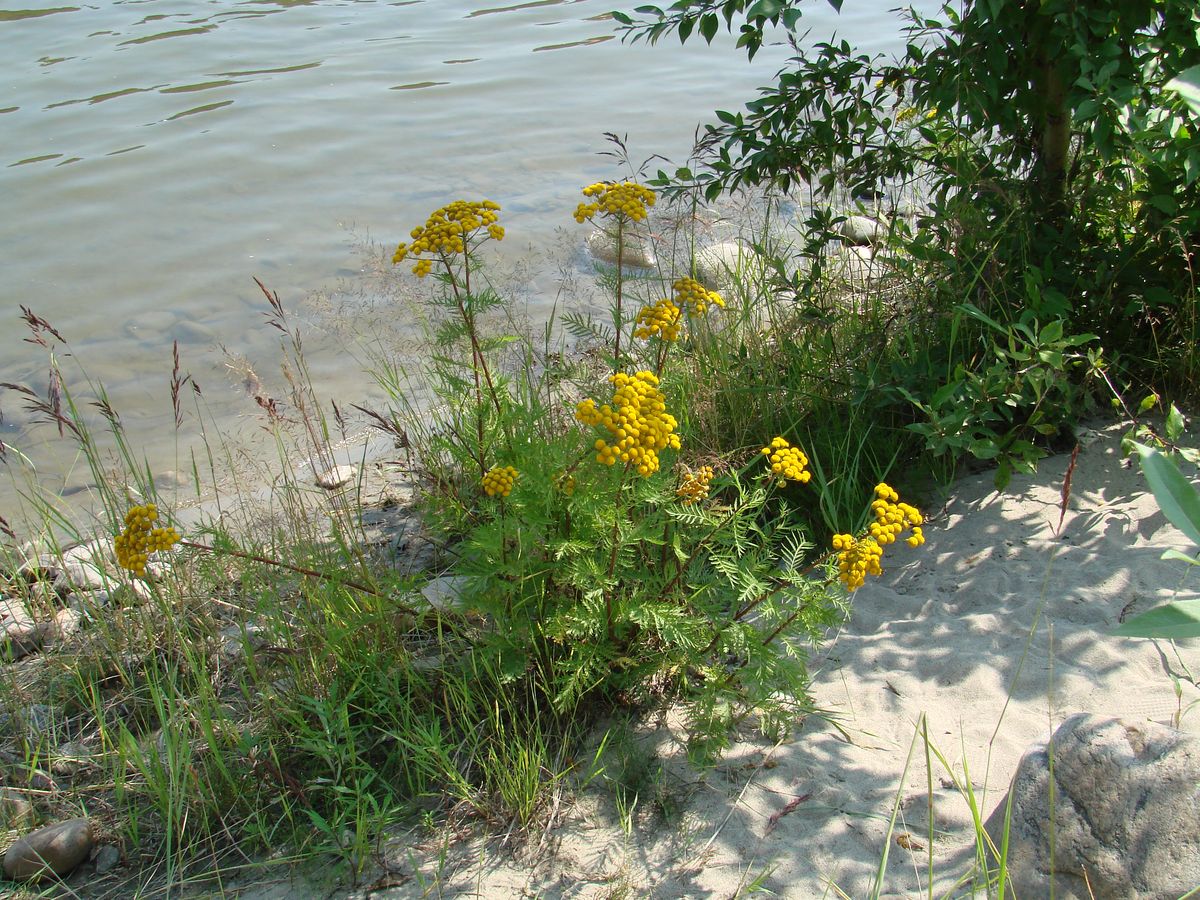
pixel 15 809
pixel 106 859
pixel 54 850
pixel 336 477
pixel 637 250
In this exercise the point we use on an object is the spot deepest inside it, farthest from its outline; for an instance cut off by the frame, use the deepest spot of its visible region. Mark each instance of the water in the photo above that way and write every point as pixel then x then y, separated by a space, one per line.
pixel 156 154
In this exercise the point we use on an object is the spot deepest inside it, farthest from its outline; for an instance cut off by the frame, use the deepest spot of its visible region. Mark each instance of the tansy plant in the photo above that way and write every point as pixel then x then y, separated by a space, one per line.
pixel 610 561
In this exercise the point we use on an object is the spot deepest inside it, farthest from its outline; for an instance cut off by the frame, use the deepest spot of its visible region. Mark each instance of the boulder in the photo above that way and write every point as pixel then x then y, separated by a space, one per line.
pixel 637 252
pixel 1126 813
pixel 49 852
pixel 863 230
pixel 719 264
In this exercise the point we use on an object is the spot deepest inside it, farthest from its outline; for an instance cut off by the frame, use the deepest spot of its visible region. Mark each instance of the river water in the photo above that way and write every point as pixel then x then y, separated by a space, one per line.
pixel 157 154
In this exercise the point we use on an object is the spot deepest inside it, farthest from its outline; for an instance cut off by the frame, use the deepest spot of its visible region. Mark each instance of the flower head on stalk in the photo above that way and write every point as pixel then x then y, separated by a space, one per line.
pixel 636 420
pixel 787 463
pixel 449 231
pixel 625 199
pixel 139 539
pixel 695 296
pixel 859 557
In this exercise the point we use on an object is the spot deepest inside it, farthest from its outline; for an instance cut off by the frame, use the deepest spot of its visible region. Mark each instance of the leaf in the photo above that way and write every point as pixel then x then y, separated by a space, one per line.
pixel 708 27
pixel 1176 496
pixel 1174 424
pixel 1187 85
pixel 1174 621
pixel 1182 557
pixel 1147 402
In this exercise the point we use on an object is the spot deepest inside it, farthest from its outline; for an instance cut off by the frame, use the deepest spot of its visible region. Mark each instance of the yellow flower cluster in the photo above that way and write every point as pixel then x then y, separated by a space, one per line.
pixel 662 319
pixel 447 231
pixel 499 481
pixel 135 544
pixel 694 486
pixel 892 517
pixel 690 292
pixel 787 462
pixel 627 198
pixel 857 559
pixel 637 419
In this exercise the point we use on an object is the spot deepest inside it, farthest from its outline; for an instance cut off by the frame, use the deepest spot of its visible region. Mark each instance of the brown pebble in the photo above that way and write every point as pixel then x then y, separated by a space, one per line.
pixel 54 850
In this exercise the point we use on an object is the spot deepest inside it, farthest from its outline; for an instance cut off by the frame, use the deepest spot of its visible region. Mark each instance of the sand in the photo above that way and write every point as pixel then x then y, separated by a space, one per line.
pixel 991 635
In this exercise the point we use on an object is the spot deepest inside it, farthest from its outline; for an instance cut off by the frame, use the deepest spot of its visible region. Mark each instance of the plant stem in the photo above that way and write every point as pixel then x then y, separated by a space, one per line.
pixel 300 570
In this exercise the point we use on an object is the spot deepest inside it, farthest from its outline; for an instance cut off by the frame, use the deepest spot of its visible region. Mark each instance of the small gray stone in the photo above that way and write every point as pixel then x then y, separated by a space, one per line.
pixel 863 230
pixel 15 809
pixel 336 477
pixel 106 859
pixel 49 852
pixel 1126 813
pixel 70 758
pixel 637 250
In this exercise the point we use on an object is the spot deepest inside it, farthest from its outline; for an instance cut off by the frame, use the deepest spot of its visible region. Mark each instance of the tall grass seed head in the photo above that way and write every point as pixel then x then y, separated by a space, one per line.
pixel 696 297
pixel 499 481
pixel 140 539
pixel 447 232
pixel 625 199
pixel 787 463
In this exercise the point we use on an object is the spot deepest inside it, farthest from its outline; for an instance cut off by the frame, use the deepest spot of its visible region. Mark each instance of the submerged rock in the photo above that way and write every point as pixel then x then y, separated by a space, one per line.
pixel 1126 813
pixel 637 250
pixel 52 851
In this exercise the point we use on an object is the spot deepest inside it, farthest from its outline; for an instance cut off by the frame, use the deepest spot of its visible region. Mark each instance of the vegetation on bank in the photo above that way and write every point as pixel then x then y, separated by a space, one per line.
pixel 669 505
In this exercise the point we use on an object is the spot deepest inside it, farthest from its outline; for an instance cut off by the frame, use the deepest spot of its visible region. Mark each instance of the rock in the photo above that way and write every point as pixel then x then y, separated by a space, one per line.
pixel 15 809
pixel 54 850
pixel 719 265
pixel 69 758
pixel 336 477
pixel 235 639
pixel 66 623
pixel 864 230
pixel 82 566
pixel 637 252
pixel 20 634
pixel 1126 815
pixel 106 859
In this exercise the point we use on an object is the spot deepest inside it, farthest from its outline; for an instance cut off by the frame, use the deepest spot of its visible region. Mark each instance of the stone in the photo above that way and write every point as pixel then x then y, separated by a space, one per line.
pixel 70 758
pixel 1126 814
pixel 15 809
pixel 863 230
pixel 49 852
pixel 638 251
pixel 106 859
pixel 337 477
pixel 718 265
pixel 20 633
pixel 235 639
